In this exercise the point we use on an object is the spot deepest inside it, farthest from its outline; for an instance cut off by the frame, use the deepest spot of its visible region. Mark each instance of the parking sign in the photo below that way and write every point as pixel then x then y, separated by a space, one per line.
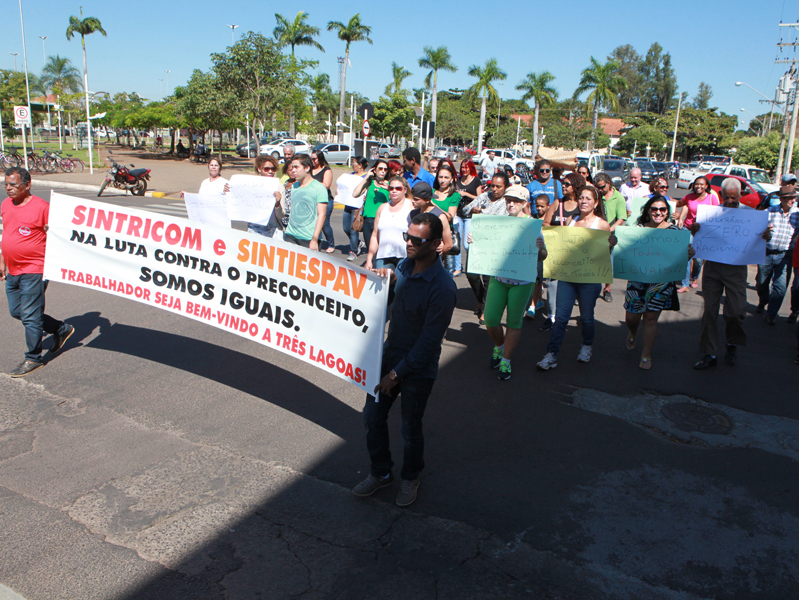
pixel 22 116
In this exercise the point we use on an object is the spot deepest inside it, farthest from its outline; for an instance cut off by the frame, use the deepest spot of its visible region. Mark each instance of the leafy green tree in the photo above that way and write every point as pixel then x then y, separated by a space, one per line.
pixel 660 82
pixel 322 97
pixel 353 31
pixel 701 131
pixel 254 78
pixel 392 115
pixel 484 90
pixel 536 87
pixel 12 93
pixel 398 75
pixel 629 62
pixel 641 137
pixel 435 59
pixel 703 96
pixel 60 76
pixel 199 105
pixel 605 85
pixel 457 122
pixel 84 27
pixel 762 152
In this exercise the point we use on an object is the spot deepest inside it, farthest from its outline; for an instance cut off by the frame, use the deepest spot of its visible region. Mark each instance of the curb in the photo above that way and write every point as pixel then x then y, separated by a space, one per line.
pixel 91 188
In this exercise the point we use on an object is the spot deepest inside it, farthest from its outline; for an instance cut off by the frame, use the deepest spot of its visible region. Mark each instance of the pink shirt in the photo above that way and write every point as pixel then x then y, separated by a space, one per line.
pixel 693 202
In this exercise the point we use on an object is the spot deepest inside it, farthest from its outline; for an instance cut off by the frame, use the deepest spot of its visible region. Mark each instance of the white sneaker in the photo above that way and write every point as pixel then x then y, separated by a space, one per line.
pixel 585 354
pixel 352 256
pixel 550 361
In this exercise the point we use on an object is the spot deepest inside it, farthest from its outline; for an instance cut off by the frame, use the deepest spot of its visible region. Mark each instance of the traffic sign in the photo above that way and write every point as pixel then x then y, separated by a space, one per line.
pixel 366 111
pixel 22 116
pixel 366 128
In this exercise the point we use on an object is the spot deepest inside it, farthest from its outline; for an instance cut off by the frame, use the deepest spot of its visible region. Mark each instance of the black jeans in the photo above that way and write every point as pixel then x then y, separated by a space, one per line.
pixel 414 392
pixel 368 228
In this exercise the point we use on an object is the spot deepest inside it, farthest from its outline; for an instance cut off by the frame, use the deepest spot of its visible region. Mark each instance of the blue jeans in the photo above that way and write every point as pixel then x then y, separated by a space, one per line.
pixel 414 391
pixel 327 230
pixel 26 303
pixel 552 298
pixel 692 273
pixel 586 295
pixel 454 262
pixel 772 281
pixel 347 218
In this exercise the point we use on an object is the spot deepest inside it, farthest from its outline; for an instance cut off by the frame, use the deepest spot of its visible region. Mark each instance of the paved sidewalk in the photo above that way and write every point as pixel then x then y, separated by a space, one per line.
pixel 169 176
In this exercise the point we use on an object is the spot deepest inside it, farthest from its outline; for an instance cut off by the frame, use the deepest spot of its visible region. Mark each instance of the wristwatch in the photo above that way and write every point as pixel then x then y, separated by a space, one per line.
pixel 392 375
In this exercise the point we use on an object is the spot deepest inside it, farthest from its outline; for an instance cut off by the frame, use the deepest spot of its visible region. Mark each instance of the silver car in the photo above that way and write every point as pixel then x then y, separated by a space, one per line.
pixel 335 153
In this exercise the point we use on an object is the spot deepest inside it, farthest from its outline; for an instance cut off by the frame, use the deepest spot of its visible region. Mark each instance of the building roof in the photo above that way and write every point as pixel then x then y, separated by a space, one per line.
pixel 611 127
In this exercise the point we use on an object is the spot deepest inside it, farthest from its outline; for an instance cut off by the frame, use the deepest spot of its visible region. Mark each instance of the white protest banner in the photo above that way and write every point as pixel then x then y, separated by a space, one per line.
pixel 733 236
pixel 504 247
pixel 319 309
pixel 252 198
pixel 345 185
pixel 650 255
pixel 207 208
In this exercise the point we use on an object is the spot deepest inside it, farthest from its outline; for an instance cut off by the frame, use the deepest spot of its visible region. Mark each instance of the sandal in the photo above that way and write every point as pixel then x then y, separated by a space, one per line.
pixel 330 250
pixel 682 290
pixel 645 364
pixel 694 284
pixel 631 342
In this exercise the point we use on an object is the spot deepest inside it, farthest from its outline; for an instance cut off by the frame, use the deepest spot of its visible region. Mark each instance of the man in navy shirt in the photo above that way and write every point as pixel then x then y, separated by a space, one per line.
pixel 424 300
pixel 414 172
pixel 544 183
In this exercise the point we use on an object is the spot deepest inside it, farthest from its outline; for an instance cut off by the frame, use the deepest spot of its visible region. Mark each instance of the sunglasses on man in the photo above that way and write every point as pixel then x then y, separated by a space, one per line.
pixel 413 239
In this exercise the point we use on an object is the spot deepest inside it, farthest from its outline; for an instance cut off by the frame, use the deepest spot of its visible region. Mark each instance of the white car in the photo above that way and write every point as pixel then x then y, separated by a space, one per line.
pixel 753 174
pixel 507 157
pixel 276 145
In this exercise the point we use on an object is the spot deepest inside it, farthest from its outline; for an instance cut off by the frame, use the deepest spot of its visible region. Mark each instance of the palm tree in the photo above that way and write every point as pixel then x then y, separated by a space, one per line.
pixel 606 84
pixel 436 60
pixel 295 33
pixel 353 31
pixel 398 74
pixel 85 27
pixel 483 89
pixel 59 74
pixel 536 87
pixel 320 90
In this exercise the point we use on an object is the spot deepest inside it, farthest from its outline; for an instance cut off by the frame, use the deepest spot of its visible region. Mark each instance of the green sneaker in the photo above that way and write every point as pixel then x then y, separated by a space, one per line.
pixel 504 370
pixel 496 357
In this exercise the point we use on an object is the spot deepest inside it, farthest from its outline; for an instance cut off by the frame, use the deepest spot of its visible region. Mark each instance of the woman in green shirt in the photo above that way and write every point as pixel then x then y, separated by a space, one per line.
pixel 375 187
pixel 447 198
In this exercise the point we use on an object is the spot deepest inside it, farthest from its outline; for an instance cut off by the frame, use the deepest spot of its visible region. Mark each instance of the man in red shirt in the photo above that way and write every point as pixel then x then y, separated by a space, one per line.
pixel 25 220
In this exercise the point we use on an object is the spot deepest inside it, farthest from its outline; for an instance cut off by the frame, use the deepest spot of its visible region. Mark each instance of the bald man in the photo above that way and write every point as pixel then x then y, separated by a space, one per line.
pixel 635 188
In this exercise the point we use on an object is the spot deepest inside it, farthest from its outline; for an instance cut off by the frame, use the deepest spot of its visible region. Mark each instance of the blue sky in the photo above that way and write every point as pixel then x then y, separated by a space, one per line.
pixel 712 41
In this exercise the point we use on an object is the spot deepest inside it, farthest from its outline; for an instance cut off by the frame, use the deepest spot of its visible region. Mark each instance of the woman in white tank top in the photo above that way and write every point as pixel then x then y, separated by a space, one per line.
pixel 592 216
pixel 387 248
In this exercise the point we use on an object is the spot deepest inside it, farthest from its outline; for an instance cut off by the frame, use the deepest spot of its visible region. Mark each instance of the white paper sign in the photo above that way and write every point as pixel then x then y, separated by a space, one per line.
pixel 321 310
pixel 207 208
pixel 733 236
pixel 252 198
pixel 345 185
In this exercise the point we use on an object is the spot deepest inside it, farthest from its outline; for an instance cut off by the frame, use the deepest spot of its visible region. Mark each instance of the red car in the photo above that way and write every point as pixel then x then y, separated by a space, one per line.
pixel 751 194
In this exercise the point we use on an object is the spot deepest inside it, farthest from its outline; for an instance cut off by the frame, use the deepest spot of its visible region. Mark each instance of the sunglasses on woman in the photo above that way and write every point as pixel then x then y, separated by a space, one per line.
pixel 663 209
pixel 396 188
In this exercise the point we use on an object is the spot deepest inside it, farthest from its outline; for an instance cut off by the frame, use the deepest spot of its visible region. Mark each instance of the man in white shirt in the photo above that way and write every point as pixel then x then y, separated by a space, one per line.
pixel 634 189
pixel 490 163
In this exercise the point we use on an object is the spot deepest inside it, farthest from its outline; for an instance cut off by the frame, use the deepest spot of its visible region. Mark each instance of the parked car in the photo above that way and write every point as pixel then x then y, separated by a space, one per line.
pixel 687 175
pixel 506 157
pixel 335 153
pixel 753 174
pixel 241 149
pixel 388 151
pixel 445 152
pixel 592 160
pixel 662 168
pixel 275 147
pixel 617 169
pixel 648 170
pixel 752 195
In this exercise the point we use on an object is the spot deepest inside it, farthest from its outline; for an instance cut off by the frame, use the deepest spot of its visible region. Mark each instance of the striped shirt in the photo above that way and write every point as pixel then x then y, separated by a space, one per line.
pixel 785 226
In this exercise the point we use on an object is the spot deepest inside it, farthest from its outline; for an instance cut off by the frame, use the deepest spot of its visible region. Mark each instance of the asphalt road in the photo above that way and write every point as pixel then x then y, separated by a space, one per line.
pixel 156 457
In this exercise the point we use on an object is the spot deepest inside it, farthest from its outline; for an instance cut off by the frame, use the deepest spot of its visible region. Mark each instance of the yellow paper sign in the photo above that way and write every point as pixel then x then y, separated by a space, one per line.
pixel 577 255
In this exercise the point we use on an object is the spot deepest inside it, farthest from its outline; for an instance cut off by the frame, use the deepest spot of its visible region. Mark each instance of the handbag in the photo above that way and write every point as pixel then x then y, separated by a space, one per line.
pixel 456 244
pixel 357 222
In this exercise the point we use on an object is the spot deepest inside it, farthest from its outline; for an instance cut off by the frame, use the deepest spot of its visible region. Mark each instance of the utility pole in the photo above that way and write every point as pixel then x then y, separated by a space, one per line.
pixel 792 131
pixel 676 123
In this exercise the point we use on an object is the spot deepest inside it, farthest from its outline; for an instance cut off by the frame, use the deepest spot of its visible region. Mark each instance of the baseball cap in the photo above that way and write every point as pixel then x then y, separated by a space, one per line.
pixel 789 178
pixel 517 192
pixel 422 190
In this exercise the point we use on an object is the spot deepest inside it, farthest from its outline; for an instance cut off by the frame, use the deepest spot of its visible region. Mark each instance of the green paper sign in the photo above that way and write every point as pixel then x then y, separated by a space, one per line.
pixel 651 255
pixel 504 247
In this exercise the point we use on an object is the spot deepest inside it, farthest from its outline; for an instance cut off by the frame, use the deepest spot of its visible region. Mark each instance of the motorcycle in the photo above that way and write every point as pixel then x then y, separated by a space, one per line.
pixel 120 177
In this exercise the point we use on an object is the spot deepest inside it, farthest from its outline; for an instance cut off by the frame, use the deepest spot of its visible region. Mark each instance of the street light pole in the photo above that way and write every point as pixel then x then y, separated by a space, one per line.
pixel 44 52
pixel 762 124
pixel 232 34
pixel 27 83
pixel 167 80
pixel 14 54
pixel 676 123
pixel 46 95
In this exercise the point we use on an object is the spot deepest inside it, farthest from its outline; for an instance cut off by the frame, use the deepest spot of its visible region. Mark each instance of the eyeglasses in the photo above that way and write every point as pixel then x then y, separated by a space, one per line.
pixel 662 187
pixel 601 188
pixel 270 169
pixel 663 209
pixel 413 239
pixel 566 184
pixel 396 188
pixel 381 169
pixel 544 170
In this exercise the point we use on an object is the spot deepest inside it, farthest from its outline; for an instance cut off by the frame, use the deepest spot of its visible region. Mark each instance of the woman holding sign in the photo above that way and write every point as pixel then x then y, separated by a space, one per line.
pixel 511 294
pixel 592 216
pixel 645 301
pixel 700 194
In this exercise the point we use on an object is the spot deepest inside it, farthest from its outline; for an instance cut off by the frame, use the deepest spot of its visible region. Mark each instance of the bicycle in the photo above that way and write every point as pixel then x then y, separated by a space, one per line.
pixel 7 160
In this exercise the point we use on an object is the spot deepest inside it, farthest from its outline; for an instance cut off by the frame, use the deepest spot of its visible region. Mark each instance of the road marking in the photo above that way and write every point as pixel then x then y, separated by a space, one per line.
pixel 6 593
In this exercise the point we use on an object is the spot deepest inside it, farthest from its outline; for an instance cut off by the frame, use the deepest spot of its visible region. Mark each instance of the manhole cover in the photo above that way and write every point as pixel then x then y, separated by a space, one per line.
pixel 695 417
